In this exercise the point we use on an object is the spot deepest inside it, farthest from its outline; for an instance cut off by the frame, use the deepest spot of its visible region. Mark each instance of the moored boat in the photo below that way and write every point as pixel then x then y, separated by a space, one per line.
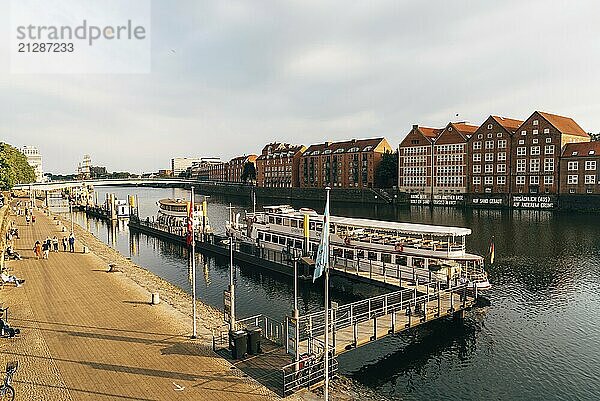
pixel 436 251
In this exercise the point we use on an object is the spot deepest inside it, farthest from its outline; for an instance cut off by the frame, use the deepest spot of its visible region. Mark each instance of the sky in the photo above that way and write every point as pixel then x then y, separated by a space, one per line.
pixel 229 76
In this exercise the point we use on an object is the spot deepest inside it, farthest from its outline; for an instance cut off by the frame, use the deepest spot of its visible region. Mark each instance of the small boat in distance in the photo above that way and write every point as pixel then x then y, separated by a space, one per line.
pixel 437 251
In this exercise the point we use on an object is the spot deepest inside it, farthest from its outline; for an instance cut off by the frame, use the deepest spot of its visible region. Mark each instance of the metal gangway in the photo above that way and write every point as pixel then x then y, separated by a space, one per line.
pixel 360 322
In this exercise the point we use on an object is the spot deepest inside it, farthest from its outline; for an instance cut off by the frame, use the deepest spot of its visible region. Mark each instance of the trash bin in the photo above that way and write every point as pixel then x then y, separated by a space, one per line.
pixel 254 334
pixel 238 343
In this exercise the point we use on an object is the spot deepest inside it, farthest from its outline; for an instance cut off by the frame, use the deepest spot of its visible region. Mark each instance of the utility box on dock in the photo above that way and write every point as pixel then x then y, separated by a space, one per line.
pixel 155 298
pixel 238 343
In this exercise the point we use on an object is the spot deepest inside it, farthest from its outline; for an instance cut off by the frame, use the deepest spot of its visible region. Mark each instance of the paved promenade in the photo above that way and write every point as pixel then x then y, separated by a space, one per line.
pixel 91 335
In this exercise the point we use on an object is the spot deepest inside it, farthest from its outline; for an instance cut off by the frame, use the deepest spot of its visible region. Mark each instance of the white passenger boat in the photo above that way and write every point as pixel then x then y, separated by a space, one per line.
pixel 173 214
pixel 436 251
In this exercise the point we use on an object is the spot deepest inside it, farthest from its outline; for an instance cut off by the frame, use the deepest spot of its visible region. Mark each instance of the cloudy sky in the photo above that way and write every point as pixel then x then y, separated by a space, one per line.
pixel 229 76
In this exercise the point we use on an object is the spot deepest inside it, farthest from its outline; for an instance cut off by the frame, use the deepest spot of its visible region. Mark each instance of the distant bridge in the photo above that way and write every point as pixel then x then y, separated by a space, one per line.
pixel 58 185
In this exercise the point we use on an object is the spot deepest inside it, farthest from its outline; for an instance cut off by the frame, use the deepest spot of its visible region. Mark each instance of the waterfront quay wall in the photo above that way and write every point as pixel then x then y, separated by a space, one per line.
pixel 567 202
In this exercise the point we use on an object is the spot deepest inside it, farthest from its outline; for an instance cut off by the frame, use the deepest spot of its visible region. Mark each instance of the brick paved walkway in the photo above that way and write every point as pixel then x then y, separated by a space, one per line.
pixel 91 335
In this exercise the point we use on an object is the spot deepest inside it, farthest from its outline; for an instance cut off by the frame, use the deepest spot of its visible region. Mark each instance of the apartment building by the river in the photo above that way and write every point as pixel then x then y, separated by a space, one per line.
pixel 415 163
pixel 489 155
pixel 235 167
pixel 278 165
pixel 347 164
pixel 580 168
pixel 536 148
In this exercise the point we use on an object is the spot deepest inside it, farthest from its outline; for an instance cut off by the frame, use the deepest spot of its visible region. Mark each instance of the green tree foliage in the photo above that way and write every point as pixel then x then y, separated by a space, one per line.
pixel 595 137
pixel 249 173
pixel 14 168
pixel 386 175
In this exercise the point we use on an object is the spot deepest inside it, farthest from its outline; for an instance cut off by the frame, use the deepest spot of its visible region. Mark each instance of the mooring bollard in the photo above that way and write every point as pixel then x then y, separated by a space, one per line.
pixel 155 298
pixel 85 249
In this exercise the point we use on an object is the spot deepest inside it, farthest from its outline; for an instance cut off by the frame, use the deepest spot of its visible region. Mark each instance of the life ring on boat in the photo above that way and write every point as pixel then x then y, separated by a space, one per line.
pixel 399 247
pixel 347 240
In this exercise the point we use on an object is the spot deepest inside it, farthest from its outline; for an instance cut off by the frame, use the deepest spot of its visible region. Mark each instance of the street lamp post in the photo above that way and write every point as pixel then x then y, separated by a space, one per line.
pixel 194 329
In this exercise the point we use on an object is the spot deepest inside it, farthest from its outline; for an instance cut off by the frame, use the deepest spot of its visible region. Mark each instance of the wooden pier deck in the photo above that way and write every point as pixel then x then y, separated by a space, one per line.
pixel 91 335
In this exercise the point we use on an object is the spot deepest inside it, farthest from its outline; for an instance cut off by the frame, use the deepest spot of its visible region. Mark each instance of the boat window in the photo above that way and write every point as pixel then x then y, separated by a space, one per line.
pixel 261 237
pixel 298 244
pixel 278 221
pixel 290 242
pixel 360 254
pixel 319 226
pixel 281 240
pixel 348 255
pixel 372 255
pixel 401 260
pixel 286 222
pixel 295 225
pixel 271 219
pixel 270 238
pixel 337 252
pixel 311 226
pixel 314 247
pixel 386 258
pixel 418 262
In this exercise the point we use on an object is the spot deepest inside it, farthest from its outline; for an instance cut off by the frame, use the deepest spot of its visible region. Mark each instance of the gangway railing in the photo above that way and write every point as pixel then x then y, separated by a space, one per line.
pixel 307 373
pixel 414 301
pixel 272 330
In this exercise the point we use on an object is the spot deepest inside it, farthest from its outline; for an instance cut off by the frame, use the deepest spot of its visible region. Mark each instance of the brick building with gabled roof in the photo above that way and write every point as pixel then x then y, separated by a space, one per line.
pixel 450 158
pixel 536 149
pixel 415 160
pixel 579 168
pixel 347 164
pixel 488 155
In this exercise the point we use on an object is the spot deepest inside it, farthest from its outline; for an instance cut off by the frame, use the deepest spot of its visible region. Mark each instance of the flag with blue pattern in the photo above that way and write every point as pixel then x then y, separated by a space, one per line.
pixel 322 261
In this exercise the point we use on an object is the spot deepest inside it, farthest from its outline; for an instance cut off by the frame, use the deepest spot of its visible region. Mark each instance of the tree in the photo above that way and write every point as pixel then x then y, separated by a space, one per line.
pixel 249 173
pixel 595 137
pixel 386 174
pixel 14 168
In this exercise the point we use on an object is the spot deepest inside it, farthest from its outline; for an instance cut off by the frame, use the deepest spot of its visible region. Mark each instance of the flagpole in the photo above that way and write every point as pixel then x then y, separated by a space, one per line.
pixel 327 309
pixel 194 334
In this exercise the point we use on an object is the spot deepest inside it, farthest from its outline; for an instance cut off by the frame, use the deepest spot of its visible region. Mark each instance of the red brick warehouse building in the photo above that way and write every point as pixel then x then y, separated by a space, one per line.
pixel 415 160
pixel 489 155
pixel 536 149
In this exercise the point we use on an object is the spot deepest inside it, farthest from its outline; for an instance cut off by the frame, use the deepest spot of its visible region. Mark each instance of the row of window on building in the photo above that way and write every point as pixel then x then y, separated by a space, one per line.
pixel 545 153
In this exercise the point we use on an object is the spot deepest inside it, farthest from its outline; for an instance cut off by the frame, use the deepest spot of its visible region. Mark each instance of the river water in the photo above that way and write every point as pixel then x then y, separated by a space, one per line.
pixel 538 340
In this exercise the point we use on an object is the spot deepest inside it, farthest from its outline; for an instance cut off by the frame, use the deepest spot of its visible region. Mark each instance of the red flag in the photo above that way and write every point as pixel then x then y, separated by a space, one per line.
pixel 190 212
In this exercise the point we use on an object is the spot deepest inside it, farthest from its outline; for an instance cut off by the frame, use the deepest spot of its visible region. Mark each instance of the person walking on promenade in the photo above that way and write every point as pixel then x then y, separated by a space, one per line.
pixel 37 249
pixel 55 244
pixel 32 219
pixel 27 219
pixel 71 243
pixel 45 249
pixel 64 243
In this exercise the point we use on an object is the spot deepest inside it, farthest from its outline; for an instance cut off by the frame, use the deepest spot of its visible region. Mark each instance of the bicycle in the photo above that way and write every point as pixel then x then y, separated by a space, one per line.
pixel 7 392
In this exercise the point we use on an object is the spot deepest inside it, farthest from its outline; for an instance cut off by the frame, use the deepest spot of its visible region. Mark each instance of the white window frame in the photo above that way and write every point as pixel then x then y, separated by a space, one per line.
pixel 572 179
pixel 590 165
pixel 590 179
pixel 573 166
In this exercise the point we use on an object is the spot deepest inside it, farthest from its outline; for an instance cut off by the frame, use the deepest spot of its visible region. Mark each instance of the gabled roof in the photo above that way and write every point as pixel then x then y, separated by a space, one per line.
pixel 510 124
pixel 581 149
pixel 430 132
pixel 361 144
pixel 465 129
pixel 565 125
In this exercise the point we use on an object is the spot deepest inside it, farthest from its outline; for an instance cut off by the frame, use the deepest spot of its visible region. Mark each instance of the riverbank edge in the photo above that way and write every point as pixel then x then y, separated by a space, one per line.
pixel 209 317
